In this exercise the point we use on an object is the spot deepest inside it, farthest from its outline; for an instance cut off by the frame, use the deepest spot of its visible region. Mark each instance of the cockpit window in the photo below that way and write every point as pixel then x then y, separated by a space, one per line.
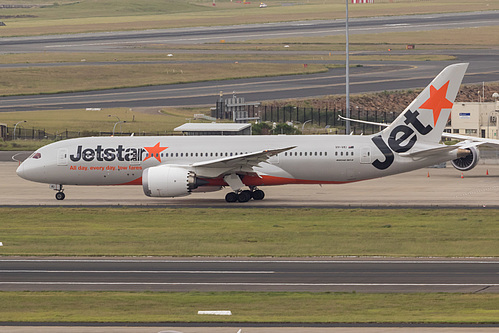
pixel 36 156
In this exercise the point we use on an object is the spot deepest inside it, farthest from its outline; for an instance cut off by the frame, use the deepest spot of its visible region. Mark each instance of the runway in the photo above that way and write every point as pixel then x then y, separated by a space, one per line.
pixel 241 274
pixel 96 42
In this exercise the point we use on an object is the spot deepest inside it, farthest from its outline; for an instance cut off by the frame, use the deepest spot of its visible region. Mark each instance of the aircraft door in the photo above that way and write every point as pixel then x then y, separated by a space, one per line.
pixel 365 155
pixel 62 156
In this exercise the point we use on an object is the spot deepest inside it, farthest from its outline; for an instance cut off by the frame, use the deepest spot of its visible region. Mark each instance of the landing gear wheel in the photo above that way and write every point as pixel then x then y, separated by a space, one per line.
pixel 60 195
pixel 244 196
pixel 258 195
pixel 231 197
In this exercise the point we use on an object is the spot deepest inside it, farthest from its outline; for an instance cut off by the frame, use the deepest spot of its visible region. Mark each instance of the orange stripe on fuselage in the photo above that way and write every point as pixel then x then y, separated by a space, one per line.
pixel 269 180
pixel 255 181
pixel 137 181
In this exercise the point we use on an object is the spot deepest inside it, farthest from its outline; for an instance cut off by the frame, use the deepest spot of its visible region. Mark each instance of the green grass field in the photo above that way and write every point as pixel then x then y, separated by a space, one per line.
pixel 248 232
pixel 83 120
pixel 34 80
pixel 248 307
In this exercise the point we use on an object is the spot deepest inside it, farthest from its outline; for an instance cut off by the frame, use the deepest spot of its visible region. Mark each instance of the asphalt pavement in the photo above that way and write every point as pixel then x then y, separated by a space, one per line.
pixel 371 275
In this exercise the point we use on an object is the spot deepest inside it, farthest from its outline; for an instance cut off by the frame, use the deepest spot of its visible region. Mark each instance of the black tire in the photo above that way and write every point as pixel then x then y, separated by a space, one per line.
pixel 244 196
pixel 258 195
pixel 60 195
pixel 231 197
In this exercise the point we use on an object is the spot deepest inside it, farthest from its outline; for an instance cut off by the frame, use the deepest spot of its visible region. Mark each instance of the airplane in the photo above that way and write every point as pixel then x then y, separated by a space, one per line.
pixel 169 166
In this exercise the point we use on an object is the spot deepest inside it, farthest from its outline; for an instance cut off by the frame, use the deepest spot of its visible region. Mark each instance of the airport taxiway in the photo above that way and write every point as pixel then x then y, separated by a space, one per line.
pixel 430 187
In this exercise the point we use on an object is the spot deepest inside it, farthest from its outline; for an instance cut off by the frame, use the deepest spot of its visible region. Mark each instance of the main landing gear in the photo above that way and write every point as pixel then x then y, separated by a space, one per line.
pixel 60 191
pixel 244 196
pixel 234 181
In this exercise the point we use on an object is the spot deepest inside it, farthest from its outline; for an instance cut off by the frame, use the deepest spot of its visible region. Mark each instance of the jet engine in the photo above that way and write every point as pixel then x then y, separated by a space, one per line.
pixel 466 159
pixel 168 181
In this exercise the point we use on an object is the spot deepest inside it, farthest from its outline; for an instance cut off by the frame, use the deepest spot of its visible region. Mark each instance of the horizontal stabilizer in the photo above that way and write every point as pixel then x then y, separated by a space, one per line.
pixel 439 150
pixel 364 121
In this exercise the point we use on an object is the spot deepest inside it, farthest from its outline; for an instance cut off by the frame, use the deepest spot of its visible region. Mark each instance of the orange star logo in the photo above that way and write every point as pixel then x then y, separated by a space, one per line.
pixel 437 101
pixel 154 152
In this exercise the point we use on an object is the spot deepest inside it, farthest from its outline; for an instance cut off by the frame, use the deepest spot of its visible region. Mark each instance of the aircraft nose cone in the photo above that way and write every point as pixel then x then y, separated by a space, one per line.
pixel 20 171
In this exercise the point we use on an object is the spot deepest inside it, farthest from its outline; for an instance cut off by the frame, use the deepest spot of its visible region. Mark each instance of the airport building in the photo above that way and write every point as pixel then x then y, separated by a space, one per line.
pixel 478 119
pixel 214 129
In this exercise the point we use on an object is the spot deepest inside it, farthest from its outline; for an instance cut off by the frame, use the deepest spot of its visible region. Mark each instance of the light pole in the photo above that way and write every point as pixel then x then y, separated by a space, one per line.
pixel 15 127
pixel 347 73
pixel 118 122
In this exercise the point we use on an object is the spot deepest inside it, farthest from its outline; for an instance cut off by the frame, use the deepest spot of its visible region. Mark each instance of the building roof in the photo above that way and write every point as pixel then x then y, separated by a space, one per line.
pixel 215 127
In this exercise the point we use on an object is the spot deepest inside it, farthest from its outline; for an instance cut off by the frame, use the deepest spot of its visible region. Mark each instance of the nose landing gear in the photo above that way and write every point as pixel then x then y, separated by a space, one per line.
pixel 60 191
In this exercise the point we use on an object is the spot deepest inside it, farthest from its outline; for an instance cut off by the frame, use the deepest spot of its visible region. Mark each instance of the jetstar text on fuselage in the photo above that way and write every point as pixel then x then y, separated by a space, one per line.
pixel 107 154
pixel 396 144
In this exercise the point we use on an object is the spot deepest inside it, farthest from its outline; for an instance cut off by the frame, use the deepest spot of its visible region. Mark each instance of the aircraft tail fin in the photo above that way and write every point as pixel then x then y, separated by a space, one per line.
pixel 425 118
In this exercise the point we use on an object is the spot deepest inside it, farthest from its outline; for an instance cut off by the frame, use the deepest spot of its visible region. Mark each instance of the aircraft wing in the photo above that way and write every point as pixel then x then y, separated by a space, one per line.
pixel 235 164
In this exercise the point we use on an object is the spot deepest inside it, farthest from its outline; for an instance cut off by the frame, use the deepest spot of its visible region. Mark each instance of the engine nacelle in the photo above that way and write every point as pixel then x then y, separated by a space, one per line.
pixel 468 160
pixel 168 181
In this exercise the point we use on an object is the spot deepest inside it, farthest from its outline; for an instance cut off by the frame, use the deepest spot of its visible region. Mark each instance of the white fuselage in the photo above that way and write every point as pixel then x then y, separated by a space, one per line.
pixel 318 159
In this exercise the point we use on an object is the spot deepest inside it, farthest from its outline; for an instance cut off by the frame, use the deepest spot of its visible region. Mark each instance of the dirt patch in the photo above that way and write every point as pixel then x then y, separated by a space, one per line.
pixel 388 100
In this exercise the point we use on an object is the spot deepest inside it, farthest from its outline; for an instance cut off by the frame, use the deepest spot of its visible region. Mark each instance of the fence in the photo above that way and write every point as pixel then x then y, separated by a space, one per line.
pixel 325 117
pixel 7 134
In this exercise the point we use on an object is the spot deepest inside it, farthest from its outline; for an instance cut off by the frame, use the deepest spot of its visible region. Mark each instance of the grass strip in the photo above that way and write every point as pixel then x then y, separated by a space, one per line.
pixel 248 232
pixel 35 80
pixel 259 307
pixel 92 122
